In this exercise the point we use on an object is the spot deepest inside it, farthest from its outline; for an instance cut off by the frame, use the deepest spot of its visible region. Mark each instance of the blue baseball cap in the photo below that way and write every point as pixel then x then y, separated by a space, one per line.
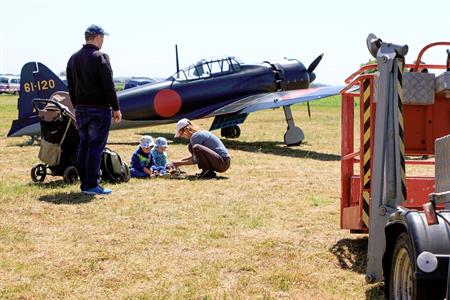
pixel 161 142
pixel 95 30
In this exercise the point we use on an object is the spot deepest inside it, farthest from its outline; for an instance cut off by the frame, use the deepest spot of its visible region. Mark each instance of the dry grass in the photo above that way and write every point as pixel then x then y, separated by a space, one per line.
pixel 268 229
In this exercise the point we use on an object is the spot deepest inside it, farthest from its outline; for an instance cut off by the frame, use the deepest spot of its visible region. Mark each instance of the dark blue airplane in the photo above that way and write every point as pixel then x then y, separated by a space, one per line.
pixel 224 88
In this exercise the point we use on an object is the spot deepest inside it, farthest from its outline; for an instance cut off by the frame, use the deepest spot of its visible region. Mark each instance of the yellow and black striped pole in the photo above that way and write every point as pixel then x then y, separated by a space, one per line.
pixel 366 169
pixel 401 128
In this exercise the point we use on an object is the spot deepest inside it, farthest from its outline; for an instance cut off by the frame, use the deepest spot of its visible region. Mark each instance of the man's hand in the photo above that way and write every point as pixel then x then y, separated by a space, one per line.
pixel 117 116
pixel 147 171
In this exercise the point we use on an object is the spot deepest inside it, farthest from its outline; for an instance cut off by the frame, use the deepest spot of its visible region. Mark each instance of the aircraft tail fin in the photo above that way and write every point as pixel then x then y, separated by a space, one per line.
pixel 36 81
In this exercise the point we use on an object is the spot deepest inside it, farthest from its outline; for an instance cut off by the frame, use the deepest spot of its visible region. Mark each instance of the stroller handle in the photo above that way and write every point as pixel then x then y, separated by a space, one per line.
pixel 36 101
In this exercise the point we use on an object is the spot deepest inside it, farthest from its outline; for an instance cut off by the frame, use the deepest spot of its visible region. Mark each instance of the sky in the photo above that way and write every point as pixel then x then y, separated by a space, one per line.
pixel 143 33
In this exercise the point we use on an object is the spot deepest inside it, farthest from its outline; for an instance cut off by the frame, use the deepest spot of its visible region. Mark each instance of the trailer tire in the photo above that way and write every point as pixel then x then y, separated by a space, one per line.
pixel 402 283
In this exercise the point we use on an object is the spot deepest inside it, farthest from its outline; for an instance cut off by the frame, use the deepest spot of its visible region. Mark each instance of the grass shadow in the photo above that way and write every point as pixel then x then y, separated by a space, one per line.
pixel 28 143
pixel 351 254
pixel 56 184
pixel 267 147
pixel 67 198
pixel 194 178
pixel 279 148
pixel 168 136
pixel 375 292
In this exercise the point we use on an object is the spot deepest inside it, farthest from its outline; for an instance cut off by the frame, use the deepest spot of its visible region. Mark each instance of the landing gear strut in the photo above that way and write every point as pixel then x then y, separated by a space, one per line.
pixel 231 132
pixel 32 140
pixel 294 135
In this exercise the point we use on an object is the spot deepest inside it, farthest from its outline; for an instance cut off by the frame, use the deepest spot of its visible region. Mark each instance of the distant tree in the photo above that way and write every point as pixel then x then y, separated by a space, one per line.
pixel 370 61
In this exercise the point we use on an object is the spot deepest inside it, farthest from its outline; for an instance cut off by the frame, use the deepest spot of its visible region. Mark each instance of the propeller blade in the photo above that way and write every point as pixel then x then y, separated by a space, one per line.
pixel 309 110
pixel 314 64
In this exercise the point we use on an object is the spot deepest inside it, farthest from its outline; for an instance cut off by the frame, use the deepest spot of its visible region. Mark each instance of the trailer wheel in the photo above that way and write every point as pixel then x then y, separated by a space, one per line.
pixel 403 285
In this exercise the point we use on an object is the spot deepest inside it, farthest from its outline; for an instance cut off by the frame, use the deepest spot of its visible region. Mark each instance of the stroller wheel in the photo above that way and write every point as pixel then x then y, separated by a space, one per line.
pixel 38 172
pixel 70 175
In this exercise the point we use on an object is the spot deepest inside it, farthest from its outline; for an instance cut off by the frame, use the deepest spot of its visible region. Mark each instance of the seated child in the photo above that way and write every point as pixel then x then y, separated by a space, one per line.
pixel 161 163
pixel 142 160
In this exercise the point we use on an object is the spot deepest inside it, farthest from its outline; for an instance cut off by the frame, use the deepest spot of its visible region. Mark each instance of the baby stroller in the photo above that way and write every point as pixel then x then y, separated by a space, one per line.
pixel 58 150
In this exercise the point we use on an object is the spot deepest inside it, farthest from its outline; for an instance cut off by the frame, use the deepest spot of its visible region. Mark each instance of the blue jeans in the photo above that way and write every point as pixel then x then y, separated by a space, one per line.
pixel 138 174
pixel 93 128
pixel 160 169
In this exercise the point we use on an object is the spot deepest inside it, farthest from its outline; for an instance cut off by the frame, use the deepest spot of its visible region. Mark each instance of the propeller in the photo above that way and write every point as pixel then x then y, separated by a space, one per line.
pixel 309 110
pixel 315 63
pixel 313 66
pixel 312 76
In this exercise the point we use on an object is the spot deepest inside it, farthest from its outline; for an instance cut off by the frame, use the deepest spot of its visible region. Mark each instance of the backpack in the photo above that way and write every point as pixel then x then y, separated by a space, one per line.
pixel 113 169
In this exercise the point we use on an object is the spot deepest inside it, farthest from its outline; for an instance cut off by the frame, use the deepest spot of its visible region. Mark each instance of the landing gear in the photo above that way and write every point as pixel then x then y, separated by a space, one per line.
pixel 294 135
pixel 231 132
pixel 32 140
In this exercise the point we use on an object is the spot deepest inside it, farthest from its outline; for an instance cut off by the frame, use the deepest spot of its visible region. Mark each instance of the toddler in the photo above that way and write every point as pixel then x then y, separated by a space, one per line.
pixel 161 162
pixel 142 160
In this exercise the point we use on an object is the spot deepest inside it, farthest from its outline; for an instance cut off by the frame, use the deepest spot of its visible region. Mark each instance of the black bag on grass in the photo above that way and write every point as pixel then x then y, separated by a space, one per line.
pixel 113 169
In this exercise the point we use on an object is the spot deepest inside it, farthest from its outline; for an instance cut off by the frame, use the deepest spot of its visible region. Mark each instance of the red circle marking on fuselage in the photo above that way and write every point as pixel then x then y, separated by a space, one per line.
pixel 167 103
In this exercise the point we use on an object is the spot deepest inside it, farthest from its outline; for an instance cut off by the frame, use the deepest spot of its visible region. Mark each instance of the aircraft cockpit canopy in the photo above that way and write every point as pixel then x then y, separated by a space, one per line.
pixel 208 68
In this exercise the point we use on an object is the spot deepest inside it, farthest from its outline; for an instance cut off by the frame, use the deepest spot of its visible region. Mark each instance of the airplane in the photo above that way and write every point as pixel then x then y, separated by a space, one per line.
pixel 223 88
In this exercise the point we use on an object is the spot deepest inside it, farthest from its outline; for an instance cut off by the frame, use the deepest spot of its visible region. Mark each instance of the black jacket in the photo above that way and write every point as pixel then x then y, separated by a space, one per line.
pixel 90 78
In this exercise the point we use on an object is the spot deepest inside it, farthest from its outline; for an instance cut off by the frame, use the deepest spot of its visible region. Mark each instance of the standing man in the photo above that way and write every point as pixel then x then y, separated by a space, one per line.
pixel 91 88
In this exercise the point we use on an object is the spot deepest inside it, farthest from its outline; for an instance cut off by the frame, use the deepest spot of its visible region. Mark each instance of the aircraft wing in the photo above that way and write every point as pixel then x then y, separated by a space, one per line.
pixel 272 100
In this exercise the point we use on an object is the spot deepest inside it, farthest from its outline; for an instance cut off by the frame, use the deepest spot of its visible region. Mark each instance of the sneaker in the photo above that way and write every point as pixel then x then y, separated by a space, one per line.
pixel 98 190
pixel 207 174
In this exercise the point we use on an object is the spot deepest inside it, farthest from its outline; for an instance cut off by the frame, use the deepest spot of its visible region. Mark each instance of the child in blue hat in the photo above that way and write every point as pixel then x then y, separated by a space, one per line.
pixel 161 162
pixel 142 160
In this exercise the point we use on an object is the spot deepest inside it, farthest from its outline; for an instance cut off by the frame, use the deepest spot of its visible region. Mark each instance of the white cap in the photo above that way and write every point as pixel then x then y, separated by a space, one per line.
pixel 146 141
pixel 180 125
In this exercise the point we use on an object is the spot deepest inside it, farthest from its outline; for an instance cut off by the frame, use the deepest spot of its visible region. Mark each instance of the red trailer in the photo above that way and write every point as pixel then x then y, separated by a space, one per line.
pixel 404 116
pixel 424 122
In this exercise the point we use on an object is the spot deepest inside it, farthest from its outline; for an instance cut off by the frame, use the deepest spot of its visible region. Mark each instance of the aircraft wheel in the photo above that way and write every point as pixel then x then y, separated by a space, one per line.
pixel 236 131
pixel 225 132
pixel 403 284
pixel 38 172
pixel 70 175
pixel 231 132
pixel 293 136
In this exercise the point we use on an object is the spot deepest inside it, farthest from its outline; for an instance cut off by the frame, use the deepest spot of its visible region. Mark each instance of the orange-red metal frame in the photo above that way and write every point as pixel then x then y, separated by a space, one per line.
pixel 422 123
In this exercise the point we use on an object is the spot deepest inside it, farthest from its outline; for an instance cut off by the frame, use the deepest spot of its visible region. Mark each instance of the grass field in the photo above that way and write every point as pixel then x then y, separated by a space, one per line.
pixel 267 229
